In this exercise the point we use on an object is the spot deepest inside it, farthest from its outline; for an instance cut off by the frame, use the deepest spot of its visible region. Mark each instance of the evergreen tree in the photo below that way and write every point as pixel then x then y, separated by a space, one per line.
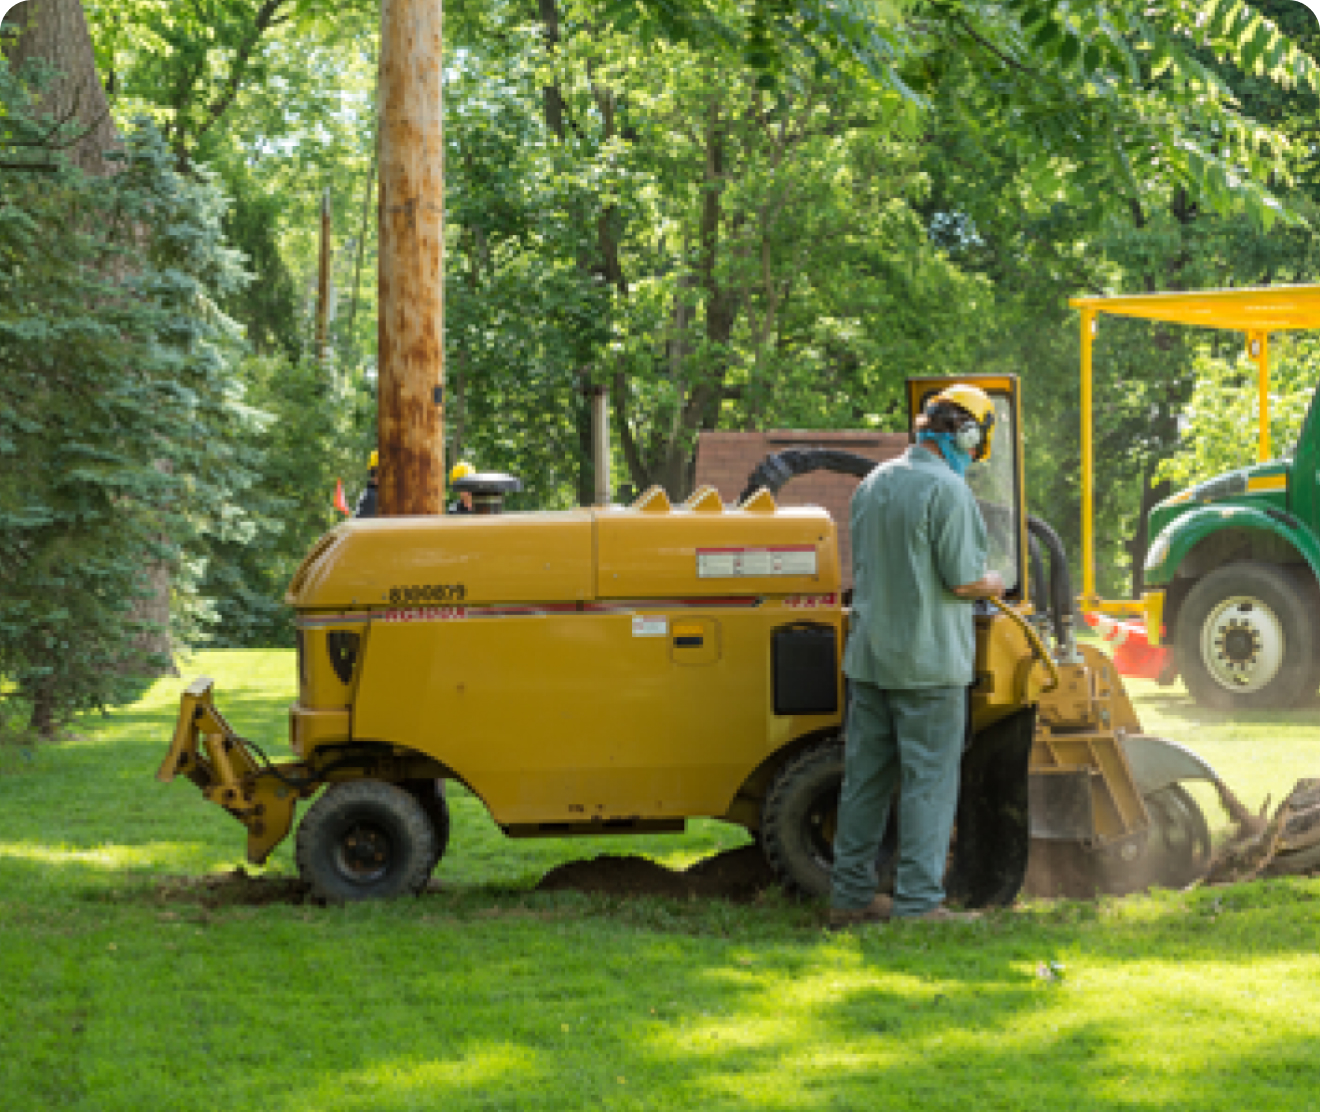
pixel 121 429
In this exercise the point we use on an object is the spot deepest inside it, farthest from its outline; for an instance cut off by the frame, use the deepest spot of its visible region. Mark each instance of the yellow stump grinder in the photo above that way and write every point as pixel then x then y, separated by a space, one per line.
pixel 625 669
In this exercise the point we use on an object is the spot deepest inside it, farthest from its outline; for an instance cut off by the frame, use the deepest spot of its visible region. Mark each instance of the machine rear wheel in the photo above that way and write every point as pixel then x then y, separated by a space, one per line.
pixel 364 840
pixel 1245 638
pixel 799 818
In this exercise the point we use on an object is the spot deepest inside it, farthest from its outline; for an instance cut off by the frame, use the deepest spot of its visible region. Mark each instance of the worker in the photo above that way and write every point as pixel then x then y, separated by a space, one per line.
pixel 919 561
pixel 463 503
pixel 367 500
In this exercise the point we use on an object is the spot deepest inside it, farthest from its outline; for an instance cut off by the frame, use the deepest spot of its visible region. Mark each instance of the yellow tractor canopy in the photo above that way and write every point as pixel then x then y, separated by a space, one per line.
pixel 1256 312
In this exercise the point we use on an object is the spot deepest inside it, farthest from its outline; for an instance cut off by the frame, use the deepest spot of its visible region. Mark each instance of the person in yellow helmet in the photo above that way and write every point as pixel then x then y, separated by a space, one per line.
pixel 368 500
pixel 463 503
pixel 919 561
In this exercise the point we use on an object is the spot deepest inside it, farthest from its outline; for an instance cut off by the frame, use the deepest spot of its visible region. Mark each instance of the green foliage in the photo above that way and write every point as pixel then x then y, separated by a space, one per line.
pixel 1221 423
pixel 306 442
pixel 737 215
pixel 1134 87
pixel 121 432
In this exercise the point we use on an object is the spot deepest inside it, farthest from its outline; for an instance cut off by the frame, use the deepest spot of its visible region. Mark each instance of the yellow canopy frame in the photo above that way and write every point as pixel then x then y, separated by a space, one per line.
pixel 1257 312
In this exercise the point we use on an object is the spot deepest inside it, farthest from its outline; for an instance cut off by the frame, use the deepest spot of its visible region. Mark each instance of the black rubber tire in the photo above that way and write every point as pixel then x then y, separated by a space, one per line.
pixel 798 817
pixel 365 840
pixel 431 795
pixel 1287 597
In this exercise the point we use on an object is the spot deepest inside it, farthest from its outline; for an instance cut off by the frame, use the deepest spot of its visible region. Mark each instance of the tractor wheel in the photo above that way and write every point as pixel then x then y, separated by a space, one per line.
pixel 431 795
pixel 365 840
pixel 798 819
pixel 1246 638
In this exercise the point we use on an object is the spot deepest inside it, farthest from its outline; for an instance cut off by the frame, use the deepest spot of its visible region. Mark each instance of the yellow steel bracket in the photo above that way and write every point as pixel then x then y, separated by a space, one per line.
pixel 211 754
pixel 1029 688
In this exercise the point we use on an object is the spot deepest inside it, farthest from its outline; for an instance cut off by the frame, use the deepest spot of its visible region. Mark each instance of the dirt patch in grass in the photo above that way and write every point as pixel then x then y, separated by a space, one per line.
pixel 738 875
pixel 234 889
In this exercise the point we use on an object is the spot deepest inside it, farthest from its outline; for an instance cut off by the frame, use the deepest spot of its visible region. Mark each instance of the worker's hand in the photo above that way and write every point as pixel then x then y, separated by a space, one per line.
pixel 990 585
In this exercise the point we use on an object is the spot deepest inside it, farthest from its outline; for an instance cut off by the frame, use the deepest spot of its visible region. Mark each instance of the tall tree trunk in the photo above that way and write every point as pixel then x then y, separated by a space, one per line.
pixel 56 31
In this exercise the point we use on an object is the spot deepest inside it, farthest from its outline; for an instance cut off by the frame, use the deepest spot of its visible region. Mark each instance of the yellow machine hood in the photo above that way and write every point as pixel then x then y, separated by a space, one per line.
pixel 573 556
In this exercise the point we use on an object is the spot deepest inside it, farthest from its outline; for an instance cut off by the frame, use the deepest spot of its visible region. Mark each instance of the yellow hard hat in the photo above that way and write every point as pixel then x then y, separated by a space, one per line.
pixel 461 470
pixel 374 461
pixel 976 440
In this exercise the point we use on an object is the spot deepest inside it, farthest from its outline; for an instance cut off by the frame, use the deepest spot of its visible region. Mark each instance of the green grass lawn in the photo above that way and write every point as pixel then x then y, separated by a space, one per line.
pixel 119 992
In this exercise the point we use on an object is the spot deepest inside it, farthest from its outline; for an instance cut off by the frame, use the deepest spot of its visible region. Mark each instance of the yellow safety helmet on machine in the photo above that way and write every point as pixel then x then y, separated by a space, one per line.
pixel 461 470
pixel 976 437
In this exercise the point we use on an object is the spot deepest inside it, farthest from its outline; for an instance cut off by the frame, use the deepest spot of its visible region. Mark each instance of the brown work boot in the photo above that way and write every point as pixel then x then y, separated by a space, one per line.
pixel 942 914
pixel 877 911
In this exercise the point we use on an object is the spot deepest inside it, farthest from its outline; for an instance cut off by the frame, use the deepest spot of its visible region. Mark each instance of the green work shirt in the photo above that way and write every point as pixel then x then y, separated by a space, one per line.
pixel 916 533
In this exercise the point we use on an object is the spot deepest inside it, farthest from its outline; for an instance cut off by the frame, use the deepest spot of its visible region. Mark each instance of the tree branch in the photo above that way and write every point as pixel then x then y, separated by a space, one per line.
pixel 266 18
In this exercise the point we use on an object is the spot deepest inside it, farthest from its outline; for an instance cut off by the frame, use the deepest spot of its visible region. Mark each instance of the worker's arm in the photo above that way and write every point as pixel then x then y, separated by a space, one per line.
pixel 990 585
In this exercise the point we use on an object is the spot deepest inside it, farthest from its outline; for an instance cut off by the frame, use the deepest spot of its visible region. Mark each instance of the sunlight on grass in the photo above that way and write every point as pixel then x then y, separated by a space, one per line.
pixel 116 857
pixel 479 1067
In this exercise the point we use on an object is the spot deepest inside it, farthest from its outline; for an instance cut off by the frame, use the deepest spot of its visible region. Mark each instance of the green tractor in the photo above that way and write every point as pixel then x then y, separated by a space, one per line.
pixel 1233 567
pixel 1237 559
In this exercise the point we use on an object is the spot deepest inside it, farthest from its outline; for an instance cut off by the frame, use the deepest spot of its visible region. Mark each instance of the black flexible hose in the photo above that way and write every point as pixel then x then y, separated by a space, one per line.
pixel 775 470
pixel 1040 597
pixel 1061 596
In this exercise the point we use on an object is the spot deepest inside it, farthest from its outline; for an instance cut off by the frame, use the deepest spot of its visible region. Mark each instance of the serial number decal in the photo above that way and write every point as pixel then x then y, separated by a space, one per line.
pixel 429 592
pixel 425 614
pixel 732 563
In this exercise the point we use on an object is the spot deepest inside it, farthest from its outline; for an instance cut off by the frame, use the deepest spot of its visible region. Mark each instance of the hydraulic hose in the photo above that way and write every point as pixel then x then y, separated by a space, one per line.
pixel 1040 598
pixel 1033 639
pixel 1061 596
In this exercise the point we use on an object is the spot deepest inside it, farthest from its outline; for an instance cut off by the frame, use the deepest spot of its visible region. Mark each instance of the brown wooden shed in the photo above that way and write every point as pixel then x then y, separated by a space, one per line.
pixel 726 459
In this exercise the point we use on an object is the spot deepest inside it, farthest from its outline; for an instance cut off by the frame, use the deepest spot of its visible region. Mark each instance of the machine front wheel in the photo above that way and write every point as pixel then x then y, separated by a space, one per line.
pixel 364 840
pixel 431 795
pixel 1246 637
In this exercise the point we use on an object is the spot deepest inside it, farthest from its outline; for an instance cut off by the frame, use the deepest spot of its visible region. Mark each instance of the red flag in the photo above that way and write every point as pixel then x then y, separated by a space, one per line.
pixel 340 504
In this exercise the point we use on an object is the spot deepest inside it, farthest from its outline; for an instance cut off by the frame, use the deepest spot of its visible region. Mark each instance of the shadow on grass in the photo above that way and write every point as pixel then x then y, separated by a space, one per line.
pixel 570 1004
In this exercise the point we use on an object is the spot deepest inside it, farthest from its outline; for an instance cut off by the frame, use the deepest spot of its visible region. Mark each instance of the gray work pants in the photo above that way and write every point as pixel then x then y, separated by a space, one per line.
pixel 912 738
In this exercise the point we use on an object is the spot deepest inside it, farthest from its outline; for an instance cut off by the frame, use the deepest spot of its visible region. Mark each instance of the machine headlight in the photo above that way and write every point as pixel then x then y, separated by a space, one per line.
pixel 1158 551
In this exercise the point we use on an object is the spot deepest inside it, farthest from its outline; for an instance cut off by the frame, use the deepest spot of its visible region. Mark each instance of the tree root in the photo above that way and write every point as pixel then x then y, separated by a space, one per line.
pixel 1288 845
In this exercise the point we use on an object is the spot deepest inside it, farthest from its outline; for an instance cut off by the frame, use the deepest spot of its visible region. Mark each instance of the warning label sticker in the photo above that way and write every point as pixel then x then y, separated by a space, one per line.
pixel 648 625
pixel 731 563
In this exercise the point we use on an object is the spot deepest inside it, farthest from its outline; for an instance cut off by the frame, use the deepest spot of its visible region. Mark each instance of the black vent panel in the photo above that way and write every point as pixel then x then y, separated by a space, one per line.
pixel 805 664
pixel 343 647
